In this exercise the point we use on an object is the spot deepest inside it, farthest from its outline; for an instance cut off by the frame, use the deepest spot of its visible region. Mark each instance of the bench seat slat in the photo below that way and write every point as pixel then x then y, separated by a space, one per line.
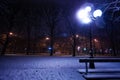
pixel 100 70
pixel 99 59
pixel 102 76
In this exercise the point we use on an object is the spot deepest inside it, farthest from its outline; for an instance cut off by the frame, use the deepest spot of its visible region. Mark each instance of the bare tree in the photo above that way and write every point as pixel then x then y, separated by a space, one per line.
pixel 112 12
pixel 71 26
pixel 9 12
pixel 51 13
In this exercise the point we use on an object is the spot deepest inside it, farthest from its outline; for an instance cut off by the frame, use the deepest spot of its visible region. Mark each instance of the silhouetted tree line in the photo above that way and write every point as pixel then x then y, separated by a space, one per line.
pixel 31 20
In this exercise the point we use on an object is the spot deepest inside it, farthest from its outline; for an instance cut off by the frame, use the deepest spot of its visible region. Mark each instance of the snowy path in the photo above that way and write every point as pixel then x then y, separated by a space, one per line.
pixel 44 68
pixel 39 68
pixel 40 74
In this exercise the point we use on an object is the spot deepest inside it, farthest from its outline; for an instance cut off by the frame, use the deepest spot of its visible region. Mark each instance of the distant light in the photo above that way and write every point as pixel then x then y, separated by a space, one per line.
pixel 77 36
pixel 49 48
pixel 78 48
pixel 11 33
pixel 95 40
pixel 84 49
pixel 97 13
pixel 47 38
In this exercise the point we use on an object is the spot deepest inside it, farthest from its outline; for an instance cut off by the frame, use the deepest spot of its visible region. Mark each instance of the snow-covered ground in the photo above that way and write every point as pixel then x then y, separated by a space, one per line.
pixel 44 68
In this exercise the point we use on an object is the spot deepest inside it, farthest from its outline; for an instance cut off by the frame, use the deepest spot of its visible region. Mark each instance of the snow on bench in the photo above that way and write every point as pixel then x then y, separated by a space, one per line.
pixel 103 73
pixel 87 60
pixel 102 76
pixel 99 70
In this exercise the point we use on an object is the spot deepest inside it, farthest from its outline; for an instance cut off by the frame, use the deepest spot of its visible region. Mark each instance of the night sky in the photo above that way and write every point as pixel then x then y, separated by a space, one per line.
pixel 22 13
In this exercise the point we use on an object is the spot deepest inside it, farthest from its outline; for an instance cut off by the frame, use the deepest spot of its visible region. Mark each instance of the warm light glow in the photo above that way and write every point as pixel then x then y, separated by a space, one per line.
pixel 97 13
pixel 78 48
pixel 10 33
pixel 77 36
pixel 95 40
pixel 47 38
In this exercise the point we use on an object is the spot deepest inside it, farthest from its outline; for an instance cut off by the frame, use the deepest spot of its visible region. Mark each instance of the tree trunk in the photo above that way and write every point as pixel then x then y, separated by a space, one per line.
pixel 74 45
pixel 5 45
pixel 51 41
pixel 112 39
pixel 28 40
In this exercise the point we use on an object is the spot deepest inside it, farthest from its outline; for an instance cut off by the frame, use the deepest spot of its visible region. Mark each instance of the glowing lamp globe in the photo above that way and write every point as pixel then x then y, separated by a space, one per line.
pixel 88 9
pixel 97 13
pixel 83 15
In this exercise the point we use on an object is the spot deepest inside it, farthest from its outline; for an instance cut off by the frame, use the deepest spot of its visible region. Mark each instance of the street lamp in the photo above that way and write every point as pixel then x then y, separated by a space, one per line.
pixel 86 16
pixel 83 15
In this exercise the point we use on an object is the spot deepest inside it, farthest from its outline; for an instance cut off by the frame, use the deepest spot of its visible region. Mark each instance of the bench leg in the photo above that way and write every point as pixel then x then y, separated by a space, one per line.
pixel 86 65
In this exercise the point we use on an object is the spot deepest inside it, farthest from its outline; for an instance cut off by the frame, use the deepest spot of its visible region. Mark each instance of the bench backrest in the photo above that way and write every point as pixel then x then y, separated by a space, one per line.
pixel 99 59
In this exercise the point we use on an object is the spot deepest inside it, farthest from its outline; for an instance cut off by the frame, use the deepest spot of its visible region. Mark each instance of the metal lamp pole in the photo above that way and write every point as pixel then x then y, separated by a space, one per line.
pixel 91 64
pixel 86 16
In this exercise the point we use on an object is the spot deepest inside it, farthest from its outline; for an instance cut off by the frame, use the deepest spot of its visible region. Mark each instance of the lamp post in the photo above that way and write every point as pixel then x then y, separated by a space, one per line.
pixel 86 15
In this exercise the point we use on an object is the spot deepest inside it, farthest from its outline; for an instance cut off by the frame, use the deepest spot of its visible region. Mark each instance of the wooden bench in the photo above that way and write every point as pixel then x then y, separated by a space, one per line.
pixel 103 73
